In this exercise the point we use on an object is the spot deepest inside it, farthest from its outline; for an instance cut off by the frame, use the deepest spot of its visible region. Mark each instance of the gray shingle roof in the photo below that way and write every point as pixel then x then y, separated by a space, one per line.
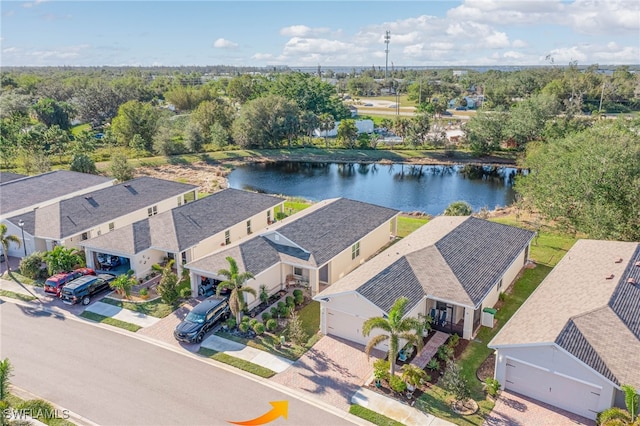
pixel 8 177
pixel 479 252
pixel 34 190
pixel 625 301
pixel 71 216
pixel 335 227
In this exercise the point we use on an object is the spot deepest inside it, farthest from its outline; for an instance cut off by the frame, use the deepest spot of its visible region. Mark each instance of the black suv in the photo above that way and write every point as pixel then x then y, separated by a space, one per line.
pixel 201 319
pixel 81 289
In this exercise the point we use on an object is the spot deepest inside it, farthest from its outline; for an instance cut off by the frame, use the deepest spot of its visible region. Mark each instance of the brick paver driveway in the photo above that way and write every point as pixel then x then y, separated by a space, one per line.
pixel 332 370
pixel 513 409
pixel 163 329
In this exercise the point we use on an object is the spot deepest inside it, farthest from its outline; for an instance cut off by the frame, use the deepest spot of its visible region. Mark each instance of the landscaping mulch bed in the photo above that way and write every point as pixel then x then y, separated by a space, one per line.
pixel 386 391
pixel 487 368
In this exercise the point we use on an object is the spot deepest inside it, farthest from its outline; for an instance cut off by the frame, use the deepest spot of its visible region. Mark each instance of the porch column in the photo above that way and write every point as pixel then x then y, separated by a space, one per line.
pixel 195 279
pixel 314 281
pixel 88 254
pixel 394 226
pixel 467 332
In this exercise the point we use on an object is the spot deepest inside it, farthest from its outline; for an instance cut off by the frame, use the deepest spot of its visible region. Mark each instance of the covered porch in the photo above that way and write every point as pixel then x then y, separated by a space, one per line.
pixel 451 318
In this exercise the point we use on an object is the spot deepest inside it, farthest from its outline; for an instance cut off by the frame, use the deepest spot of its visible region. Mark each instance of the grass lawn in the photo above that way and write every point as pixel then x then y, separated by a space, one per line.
pixel 16 276
pixel 155 308
pixel 19 296
pixel 247 366
pixel 408 224
pixel 111 321
pixel 294 205
pixel 310 317
pixel 16 403
pixel 547 250
pixel 372 416
pixel 77 130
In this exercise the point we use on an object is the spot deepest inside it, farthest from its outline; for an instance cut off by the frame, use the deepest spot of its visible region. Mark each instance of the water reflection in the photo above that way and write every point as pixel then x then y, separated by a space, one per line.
pixel 404 187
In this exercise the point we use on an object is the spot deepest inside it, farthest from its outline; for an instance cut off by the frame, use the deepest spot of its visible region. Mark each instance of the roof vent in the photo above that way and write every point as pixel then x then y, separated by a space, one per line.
pixel 638 264
pixel 609 277
pixel 618 260
pixel 88 197
pixel 631 280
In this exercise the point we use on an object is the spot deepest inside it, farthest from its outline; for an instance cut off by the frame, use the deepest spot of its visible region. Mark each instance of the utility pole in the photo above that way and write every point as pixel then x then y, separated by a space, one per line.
pixel 387 39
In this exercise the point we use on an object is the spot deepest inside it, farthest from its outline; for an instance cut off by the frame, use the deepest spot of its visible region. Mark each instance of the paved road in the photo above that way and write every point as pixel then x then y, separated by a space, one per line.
pixel 114 379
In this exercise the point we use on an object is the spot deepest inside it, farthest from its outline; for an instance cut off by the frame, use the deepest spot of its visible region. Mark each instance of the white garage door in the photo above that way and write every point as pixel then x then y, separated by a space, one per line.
pixel 346 326
pixel 552 388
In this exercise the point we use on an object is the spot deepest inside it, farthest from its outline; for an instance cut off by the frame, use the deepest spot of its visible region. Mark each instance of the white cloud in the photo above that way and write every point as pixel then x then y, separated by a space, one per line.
pixel 10 50
pixel 604 16
pixel 512 55
pixel 298 45
pixel 519 43
pixel 303 31
pixel 223 43
pixel 507 12
pixel 564 55
pixel 29 5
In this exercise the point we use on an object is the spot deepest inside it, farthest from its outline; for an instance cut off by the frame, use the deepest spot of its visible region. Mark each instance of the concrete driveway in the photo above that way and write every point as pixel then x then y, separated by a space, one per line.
pixel 332 370
pixel 513 409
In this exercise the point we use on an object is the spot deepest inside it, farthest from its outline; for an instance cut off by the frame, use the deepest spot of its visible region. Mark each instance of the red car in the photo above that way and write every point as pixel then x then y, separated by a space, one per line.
pixel 55 283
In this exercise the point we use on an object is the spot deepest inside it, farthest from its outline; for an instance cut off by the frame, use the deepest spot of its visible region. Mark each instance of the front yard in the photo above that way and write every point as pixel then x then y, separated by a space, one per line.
pixel 155 308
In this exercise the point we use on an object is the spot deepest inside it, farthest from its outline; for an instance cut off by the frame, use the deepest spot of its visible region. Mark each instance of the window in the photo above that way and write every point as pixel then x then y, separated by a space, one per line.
pixel 297 272
pixel 268 216
pixel 499 285
pixel 248 227
pixel 84 236
pixel 112 226
pixel 184 257
pixel 355 250
pixel 227 237
pixel 152 211
pixel 179 201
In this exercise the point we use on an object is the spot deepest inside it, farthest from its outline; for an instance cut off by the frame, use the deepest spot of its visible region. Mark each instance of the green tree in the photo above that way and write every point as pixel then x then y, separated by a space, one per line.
pixel 528 119
pixel 51 112
pixel 348 133
pixel 31 266
pixel 454 382
pixel 586 184
pixel 219 135
pixel 261 123
pixel 458 208
pixel 419 129
pixel 327 123
pixel 296 331
pixel 235 281
pixel 210 112
pixel 245 88
pixel 5 240
pixel 135 118
pixel 401 127
pixel 485 131
pixel 120 168
pixel 58 141
pixel 308 123
pixel 5 373
pixel 83 163
pixel 123 284
pixel 395 327
pixel 97 102
pixel 168 286
pixel 62 259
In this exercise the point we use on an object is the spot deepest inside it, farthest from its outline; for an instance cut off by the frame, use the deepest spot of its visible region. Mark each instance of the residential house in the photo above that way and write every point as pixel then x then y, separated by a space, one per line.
pixel 22 194
pixel 576 339
pixel 315 247
pixel 69 221
pixel 451 268
pixel 187 232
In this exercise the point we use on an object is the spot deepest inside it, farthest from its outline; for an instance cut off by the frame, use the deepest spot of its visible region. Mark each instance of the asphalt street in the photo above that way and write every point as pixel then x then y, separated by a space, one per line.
pixel 114 379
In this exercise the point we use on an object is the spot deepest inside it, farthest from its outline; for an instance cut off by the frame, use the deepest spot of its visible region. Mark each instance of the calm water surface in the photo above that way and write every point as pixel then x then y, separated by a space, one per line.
pixel 428 189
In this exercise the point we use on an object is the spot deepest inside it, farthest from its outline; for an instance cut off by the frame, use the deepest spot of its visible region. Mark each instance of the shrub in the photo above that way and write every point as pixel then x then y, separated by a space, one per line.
pixel 43 408
pixel 281 305
pixel 284 311
pixel 264 295
pixel 381 369
pixel 299 299
pixel 274 312
pixel 397 384
pixel 252 322
pixel 453 341
pixel 492 386
pixel 272 324
pixel 502 296
pixel 31 266
pixel 231 323
pixel 289 301
pixel 296 331
pixel 143 292
pixel 258 327
pixel 445 353
pixel 245 319
pixel 266 316
pixel 433 364
pixel 185 293
pixel 243 326
pixel 297 292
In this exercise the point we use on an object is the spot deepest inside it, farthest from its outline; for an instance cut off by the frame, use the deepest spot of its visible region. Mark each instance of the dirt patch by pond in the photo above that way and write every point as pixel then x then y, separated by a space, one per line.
pixel 209 177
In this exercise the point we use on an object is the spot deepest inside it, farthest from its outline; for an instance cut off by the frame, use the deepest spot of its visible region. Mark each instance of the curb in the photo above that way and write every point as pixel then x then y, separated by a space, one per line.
pixel 73 417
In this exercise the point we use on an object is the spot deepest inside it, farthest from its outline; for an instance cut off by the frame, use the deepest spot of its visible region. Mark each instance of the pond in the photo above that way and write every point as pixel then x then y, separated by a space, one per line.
pixel 409 188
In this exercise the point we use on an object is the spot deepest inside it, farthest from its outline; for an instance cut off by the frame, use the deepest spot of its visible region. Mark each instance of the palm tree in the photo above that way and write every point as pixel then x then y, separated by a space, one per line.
pixel 615 416
pixel 5 240
pixel 235 282
pixel 327 123
pixel 395 328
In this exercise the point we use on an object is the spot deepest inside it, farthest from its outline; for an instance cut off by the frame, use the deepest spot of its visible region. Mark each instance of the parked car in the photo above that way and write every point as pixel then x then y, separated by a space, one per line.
pixel 84 288
pixel 461 108
pixel 108 261
pixel 446 113
pixel 54 283
pixel 201 319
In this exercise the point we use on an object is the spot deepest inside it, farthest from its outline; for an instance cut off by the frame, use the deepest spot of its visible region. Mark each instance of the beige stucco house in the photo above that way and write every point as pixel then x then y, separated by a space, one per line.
pixel 316 247
pixel 577 337
pixel 451 268
pixel 187 232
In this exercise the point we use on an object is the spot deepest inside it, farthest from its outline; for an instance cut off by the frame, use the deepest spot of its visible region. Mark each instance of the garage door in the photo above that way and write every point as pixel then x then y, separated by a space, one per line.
pixel 555 389
pixel 346 326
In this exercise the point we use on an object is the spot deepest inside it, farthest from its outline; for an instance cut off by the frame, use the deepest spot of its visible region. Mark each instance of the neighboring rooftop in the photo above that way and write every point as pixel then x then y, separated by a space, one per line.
pixel 311 239
pixel 74 215
pixel 590 309
pixel 8 177
pixel 187 225
pixel 458 259
pixel 30 191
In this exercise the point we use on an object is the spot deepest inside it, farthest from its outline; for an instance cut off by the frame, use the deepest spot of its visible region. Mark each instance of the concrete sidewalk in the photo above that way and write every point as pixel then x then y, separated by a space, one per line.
pixel 396 410
pixel 122 314
pixel 238 350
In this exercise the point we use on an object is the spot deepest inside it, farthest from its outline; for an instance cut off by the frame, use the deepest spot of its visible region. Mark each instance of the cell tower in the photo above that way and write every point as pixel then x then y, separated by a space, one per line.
pixel 387 39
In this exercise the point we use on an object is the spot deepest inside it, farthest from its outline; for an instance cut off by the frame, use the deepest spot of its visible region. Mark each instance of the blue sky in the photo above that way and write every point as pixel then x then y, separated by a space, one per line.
pixel 310 33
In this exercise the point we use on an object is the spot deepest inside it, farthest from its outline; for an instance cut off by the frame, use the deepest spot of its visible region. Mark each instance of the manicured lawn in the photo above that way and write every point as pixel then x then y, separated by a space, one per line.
pixel 111 321
pixel 247 366
pixel 294 205
pixel 19 296
pixel 310 317
pixel 77 130
pixel 156 308
pixel 16 403
pixel 408 224
pixel 372 416
pixel 438 403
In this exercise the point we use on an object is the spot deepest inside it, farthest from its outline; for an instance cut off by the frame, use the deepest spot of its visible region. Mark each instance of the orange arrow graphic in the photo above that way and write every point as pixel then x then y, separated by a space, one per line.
pixel 280 408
